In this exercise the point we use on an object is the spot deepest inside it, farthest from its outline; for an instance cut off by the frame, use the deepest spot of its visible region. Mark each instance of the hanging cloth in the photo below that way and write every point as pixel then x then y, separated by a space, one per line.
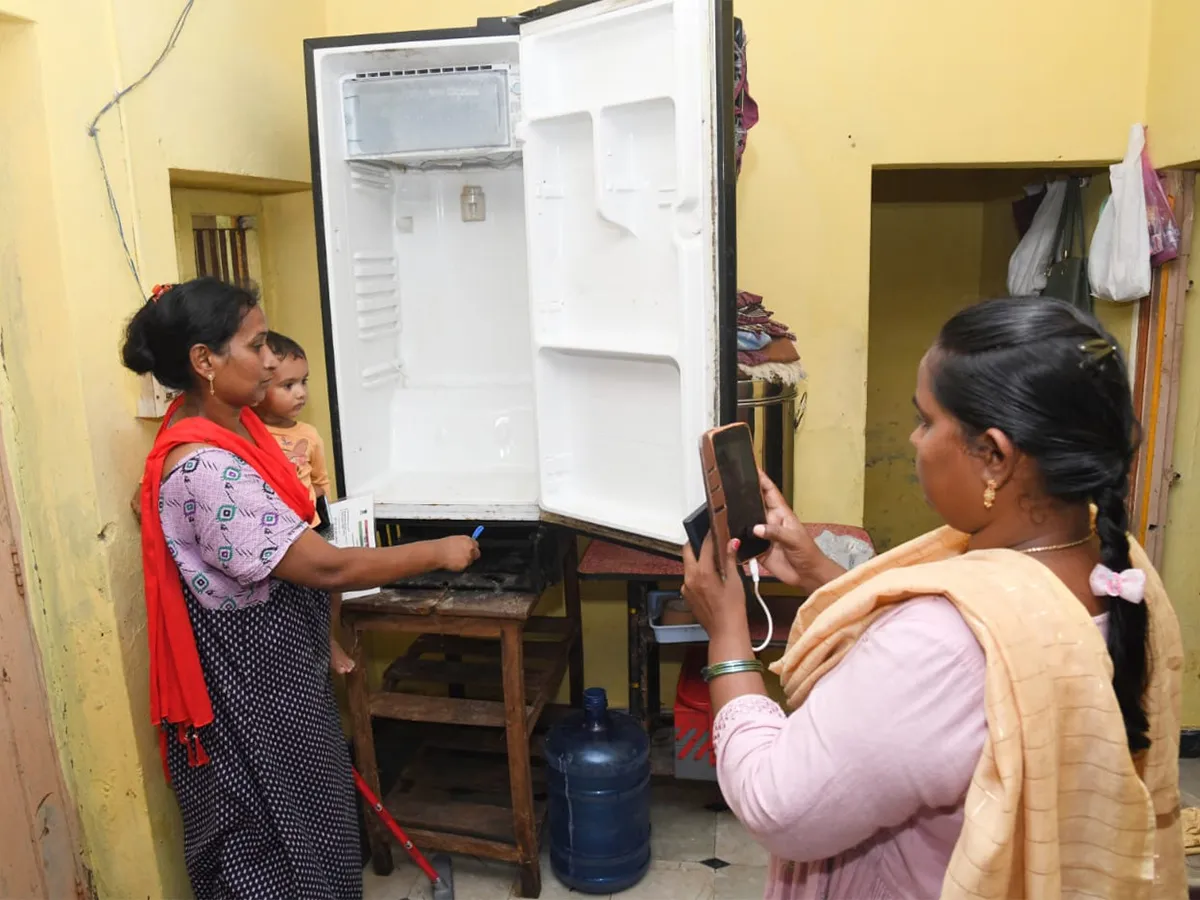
pixel 745 110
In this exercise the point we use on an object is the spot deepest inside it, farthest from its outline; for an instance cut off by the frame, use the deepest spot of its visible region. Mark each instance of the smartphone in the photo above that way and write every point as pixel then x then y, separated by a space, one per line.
pixel 735 503
pixel 696 525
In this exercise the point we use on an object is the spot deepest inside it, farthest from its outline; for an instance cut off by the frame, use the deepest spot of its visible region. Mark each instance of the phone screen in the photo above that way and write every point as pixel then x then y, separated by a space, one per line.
pixel 743 496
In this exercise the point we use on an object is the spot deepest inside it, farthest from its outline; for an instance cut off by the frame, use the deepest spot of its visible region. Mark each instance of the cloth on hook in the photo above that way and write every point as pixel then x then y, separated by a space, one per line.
pixel 745 110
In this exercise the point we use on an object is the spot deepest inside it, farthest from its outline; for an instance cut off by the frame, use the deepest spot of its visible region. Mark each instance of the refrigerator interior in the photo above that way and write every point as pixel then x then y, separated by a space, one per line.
pixel 557 356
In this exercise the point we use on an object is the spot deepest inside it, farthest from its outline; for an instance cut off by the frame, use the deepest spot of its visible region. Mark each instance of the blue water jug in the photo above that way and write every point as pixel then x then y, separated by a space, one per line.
pixel 598 774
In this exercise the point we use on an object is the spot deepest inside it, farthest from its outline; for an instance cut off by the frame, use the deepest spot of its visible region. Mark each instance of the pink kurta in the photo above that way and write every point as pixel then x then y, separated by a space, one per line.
pixel 858 795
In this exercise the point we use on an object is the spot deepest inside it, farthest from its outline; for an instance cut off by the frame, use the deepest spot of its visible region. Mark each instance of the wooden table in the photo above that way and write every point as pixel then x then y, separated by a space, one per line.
pixel 465 640
pixel 644 572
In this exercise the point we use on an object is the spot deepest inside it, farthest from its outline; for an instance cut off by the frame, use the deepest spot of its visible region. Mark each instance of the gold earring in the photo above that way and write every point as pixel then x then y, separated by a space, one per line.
pixel 212 386
pixel 989 494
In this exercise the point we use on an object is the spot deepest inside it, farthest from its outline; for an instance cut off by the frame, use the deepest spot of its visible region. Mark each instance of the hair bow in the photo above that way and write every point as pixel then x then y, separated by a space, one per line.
pixel 158 290
pixel 1129 585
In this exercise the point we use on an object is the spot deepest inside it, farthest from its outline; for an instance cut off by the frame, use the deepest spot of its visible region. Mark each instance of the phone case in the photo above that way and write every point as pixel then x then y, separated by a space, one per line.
pixel 717 513
pixel 696 525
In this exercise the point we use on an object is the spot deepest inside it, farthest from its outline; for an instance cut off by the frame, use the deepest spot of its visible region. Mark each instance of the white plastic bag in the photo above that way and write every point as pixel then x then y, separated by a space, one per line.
pixel 1119 260
pixel 1029 262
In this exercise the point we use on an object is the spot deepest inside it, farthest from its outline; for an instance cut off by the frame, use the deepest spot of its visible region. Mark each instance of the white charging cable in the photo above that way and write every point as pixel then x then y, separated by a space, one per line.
pixel 755 576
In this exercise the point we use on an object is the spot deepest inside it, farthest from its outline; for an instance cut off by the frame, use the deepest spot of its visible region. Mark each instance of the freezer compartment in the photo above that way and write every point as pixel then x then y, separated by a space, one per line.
pixel 395 113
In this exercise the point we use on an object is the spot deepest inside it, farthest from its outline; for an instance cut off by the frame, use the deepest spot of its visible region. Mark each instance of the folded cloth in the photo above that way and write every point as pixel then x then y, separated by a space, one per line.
pixel 752 340
pixel 754 317
pixel 780 350
pixel 775 373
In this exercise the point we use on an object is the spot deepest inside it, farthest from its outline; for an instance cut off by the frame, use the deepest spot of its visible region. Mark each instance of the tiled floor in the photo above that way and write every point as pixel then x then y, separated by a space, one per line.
pixel 700 852
pixel 1189 789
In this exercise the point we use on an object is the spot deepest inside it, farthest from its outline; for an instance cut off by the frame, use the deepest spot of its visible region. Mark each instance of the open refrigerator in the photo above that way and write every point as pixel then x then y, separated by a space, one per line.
pixel 526 247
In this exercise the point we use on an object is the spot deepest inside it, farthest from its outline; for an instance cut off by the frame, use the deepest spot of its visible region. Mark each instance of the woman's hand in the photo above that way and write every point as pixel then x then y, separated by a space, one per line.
pixel 794 557
pixel 716 596
pixel 456 553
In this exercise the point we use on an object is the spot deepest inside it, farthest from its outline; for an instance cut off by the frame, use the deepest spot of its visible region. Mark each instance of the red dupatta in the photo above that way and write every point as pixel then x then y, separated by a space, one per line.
pixel 178 693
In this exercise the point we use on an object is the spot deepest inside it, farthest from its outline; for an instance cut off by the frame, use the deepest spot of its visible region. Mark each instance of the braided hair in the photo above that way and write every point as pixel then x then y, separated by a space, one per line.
pixel 1055 382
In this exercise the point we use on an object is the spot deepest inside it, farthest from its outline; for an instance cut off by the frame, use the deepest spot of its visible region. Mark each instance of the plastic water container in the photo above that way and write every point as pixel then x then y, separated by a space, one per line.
pixel 598 773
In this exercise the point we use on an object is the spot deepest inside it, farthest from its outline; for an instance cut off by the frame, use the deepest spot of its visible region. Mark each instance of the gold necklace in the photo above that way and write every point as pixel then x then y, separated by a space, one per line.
pixel 1053 547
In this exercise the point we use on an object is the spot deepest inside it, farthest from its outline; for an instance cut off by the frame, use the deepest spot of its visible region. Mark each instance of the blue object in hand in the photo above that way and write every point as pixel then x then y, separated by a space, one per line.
pixel 476 533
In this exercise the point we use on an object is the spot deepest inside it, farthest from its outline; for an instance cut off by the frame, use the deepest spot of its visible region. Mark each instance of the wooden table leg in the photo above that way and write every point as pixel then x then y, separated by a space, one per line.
pixel 639 673
pixel 574 610
pixel 512 663
pixel 364 754
pixel 653 687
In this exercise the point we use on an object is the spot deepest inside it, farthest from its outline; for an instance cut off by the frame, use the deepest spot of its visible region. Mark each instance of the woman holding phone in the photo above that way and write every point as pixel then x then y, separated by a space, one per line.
pixel 991 710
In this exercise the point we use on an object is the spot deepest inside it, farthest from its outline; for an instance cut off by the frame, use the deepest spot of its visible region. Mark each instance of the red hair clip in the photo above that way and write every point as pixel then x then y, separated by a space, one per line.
pixel 158 291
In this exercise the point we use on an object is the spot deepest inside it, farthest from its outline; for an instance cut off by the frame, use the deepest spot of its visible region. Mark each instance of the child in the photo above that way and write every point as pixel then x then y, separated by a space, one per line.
pixel 301 443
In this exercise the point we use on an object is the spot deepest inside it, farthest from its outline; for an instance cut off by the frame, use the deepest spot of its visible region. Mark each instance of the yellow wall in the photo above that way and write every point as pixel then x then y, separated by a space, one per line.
pixel 926 261
pixel 229 100
pixel 940 239
pixel 1174 83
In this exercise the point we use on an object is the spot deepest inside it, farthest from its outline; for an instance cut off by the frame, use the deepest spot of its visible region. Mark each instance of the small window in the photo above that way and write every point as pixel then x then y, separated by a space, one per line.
pixel 221 247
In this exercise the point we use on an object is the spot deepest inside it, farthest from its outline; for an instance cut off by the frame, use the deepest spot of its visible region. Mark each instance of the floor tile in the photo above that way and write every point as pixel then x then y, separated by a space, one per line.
pixel 681 829
pixel 552 888
pixel 739 883
pixel 474 879
pixel 1189 781
pixel 735 845
pixel 672 881
pixel 397 886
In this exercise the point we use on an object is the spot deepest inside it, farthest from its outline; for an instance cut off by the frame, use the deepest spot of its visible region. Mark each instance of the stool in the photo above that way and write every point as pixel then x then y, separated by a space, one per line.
pixel 466 639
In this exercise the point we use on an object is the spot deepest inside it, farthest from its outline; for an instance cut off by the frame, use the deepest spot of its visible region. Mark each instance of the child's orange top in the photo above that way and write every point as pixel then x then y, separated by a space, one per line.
pixel 304 447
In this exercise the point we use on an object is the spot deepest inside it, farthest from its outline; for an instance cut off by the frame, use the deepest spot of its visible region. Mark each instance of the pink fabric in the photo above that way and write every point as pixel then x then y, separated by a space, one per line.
pixel 859 794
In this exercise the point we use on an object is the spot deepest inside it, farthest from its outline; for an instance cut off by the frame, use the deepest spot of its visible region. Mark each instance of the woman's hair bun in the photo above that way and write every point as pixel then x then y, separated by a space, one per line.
pixel 160 336
pixel 135 352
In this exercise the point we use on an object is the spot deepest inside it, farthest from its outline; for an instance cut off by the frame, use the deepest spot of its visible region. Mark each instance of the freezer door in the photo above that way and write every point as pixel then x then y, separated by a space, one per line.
pixel 627 160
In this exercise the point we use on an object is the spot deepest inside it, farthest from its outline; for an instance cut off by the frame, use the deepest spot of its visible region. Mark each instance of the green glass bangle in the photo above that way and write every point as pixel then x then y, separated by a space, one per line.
pixel 732 667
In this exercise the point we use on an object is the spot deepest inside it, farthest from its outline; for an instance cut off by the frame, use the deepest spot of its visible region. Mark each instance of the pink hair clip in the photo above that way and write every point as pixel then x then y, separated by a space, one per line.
pixel 1129 585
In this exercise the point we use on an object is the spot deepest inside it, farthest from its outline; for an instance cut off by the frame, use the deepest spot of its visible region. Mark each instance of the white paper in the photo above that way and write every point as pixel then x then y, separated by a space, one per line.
pixel 352 522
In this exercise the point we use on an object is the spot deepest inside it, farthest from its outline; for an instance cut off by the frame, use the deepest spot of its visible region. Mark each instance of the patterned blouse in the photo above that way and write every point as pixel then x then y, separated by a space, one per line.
pixel 226 528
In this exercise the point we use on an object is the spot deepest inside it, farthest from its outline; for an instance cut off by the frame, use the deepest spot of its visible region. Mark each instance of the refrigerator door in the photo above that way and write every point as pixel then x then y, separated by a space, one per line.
pixel 628 154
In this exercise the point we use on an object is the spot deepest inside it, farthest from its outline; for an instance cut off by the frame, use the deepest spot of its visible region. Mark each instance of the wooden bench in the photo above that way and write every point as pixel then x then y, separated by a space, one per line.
pixel 480 660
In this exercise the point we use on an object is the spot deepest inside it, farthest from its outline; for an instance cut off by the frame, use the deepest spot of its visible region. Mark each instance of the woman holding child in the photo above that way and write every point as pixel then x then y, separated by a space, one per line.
pixel 991 710
pixel 238 611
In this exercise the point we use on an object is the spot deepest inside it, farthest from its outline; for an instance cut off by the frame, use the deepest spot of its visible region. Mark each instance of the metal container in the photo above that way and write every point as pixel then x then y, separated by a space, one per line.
pixel 774 412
